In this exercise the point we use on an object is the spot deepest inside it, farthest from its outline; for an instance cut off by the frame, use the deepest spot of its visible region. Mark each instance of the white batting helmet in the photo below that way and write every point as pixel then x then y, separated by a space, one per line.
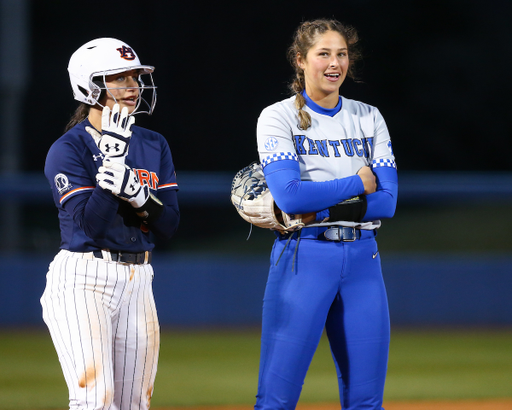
pixel 92 62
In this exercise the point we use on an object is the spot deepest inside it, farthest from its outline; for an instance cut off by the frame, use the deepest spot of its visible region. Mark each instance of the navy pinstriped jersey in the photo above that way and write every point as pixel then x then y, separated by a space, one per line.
pixel 71 167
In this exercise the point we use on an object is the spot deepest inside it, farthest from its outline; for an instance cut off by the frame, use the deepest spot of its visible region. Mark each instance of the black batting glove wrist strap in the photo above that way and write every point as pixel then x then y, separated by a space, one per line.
pixel 353 209
pixel 151 210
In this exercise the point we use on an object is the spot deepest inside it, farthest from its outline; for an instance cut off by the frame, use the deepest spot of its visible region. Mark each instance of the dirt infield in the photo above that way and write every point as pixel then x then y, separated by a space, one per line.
pixel 502 404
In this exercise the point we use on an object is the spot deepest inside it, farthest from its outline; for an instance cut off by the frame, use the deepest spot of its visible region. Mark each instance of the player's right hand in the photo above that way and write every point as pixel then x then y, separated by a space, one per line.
pixel 369 181
pixel 123 182
pixel 116 133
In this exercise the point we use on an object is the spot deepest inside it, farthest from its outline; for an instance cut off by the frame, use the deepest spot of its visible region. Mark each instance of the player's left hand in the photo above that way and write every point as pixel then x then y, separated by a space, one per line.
pixel 123 182
pixel 116 131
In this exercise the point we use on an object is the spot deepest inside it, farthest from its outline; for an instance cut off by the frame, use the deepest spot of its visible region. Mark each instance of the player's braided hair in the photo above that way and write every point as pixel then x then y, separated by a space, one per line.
pixel 305 37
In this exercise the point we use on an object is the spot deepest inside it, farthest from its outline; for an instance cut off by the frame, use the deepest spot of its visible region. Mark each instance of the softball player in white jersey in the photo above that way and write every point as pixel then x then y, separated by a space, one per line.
pixel 325 154
pixel 113 183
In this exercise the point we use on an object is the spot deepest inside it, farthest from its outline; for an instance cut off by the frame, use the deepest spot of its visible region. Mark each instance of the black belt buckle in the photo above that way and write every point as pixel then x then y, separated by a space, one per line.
pixel 126 257
pixel 341 234
pixel 131 258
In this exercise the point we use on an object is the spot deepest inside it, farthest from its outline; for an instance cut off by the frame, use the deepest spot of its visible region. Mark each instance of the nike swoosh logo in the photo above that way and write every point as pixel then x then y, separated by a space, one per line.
pixel 375 254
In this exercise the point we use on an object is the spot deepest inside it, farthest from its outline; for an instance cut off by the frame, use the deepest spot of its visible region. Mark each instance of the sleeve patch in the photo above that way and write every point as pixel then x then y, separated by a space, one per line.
pixel 62 184
pixel 390 148
pixel 271 144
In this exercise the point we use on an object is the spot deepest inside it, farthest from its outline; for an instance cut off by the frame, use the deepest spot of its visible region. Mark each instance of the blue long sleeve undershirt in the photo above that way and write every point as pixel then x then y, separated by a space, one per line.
pixel 294 196
pixel 382 203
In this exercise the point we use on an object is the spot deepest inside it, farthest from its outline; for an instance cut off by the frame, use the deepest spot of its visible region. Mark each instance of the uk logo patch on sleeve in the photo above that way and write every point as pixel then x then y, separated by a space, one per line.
pixel 390 148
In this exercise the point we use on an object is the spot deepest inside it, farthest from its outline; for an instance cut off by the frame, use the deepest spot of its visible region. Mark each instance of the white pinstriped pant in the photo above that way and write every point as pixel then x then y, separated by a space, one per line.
pixel 102 319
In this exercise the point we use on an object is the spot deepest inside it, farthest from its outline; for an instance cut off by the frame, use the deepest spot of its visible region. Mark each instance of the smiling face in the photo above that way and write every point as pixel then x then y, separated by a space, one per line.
pixel 122 88
pixel 325 68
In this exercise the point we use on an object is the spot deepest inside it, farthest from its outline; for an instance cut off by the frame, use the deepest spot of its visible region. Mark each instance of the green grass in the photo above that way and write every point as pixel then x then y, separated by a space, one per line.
pixel 30 375
pixel 450 364
pixel 207 368
pixel 221 367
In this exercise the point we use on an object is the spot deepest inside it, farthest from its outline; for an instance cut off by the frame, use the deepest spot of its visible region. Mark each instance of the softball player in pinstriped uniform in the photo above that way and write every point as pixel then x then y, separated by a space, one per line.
pixel 113 183
pixel 330 155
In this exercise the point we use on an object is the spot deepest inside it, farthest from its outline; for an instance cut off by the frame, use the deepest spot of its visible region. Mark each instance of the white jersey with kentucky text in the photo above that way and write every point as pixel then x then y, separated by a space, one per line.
pixel 333 147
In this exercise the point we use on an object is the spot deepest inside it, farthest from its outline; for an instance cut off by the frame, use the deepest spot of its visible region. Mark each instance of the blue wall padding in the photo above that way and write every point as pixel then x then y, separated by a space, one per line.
pixel 213 290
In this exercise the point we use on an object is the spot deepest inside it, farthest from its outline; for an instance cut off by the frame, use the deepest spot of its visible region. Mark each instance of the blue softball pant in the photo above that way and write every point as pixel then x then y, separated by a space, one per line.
pixel 333 285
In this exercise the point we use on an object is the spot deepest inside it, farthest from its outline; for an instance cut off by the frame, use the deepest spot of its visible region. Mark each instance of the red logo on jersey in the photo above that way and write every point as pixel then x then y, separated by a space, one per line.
pixel 147 178
pixel 126 53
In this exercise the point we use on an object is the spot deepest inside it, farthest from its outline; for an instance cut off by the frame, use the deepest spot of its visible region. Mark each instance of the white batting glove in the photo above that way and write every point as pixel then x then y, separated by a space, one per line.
pixel 116 131
pixel 123 182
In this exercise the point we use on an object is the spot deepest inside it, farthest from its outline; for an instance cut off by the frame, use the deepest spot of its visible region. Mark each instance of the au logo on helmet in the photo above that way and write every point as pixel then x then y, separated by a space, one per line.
pixel 126 53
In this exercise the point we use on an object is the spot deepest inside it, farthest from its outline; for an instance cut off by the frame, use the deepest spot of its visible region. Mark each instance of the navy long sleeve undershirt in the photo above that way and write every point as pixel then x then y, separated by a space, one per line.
pixel 95 212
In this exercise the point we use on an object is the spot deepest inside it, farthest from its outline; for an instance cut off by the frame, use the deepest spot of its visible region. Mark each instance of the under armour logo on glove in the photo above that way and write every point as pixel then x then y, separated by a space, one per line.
pixel 108 147
pixel 114 142
pixel 132 189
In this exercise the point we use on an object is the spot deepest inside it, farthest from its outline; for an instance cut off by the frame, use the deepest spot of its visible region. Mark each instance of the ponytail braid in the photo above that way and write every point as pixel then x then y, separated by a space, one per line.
pixel 297 87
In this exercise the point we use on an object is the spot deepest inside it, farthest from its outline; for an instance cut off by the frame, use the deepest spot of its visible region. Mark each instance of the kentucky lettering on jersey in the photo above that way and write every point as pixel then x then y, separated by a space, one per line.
pixel 325 148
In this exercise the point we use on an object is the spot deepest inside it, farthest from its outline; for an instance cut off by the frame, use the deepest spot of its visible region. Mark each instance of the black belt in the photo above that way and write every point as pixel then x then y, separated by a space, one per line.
pixel 332 233
pixel 137 258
